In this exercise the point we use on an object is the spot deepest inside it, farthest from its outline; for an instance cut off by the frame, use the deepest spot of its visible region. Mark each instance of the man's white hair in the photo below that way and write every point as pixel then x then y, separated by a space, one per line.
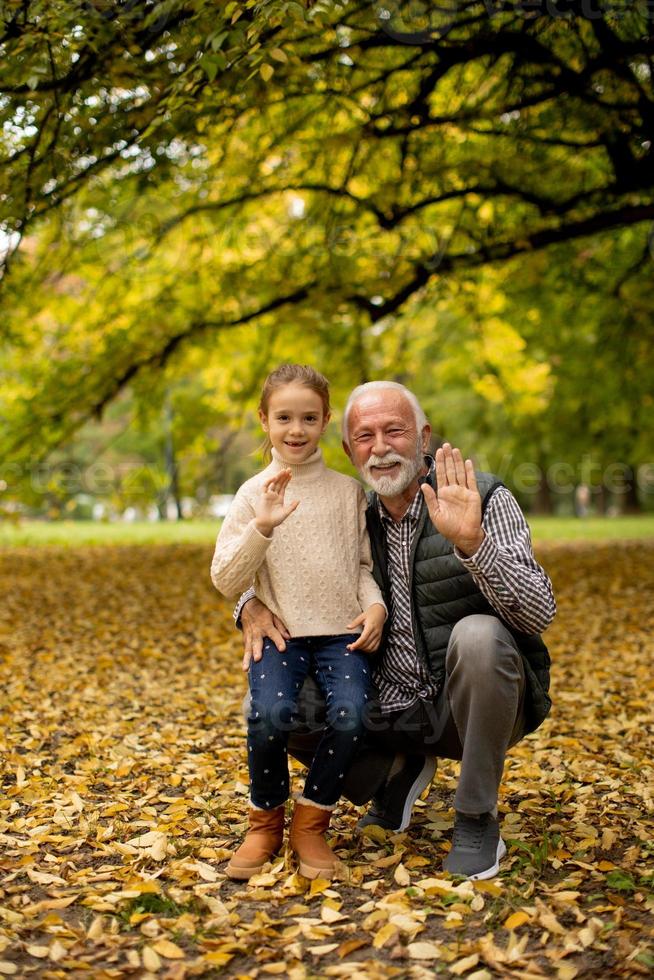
pixel 371 386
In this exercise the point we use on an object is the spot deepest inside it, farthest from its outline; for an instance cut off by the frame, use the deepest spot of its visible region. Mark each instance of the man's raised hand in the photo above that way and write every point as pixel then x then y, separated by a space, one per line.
pixel 456 510
pixel 271 510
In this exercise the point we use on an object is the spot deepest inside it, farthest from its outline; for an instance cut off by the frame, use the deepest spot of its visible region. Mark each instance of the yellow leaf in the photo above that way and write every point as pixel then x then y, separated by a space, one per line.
pixel 218 958
pixel 462 966
pixel 323 950
pixel 215 906
pixel 389 931
pixel 206 871
pixel 550 922
pixel 438 886
pixel 8 969
pixel 402 876
pixel 150 959
pixel 485 213
pixel 566 971
pixel 329 914
pixel 415 861
pixel 57 951
pixel 278 55
pixel 39 951
pixel 170 950
pixel 318 885
pixel 388 861
pixel 424 951
pixel 42 878
pixel 77 801
pixel 96 929
pixel 516 920
pixel 489 887
pixel 266 72
pixel 410 924
pixel 349 946
pixel 375 833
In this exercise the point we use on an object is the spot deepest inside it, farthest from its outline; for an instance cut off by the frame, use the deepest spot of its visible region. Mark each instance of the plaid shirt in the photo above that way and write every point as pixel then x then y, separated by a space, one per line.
pixel 504 569
pixel 401 677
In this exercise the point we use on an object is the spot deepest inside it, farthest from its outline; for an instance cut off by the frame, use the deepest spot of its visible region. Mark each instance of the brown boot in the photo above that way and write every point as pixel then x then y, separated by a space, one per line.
pixel 263 839
pixel 307 839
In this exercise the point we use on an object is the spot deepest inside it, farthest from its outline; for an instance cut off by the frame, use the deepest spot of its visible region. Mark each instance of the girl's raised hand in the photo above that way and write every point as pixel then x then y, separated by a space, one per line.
pixel 271 510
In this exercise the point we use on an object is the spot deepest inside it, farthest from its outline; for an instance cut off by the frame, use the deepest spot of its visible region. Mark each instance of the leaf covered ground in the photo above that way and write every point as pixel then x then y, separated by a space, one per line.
pixel 123 791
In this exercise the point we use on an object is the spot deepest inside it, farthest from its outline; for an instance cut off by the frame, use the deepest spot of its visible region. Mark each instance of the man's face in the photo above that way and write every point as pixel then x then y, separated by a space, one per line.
pixel 384 443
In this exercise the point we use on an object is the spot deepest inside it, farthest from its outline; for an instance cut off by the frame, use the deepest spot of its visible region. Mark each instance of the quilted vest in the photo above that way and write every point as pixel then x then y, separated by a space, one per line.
pixel 443 592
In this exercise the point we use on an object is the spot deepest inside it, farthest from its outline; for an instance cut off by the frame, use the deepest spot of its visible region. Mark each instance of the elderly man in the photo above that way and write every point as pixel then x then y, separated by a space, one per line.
pixel 462 672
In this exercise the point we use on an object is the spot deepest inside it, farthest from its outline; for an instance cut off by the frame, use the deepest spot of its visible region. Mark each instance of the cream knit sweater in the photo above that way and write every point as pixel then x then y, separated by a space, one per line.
pixel 315 571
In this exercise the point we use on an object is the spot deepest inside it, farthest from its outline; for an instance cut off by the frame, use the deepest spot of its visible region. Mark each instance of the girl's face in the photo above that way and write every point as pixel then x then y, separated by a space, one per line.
pixel 295 421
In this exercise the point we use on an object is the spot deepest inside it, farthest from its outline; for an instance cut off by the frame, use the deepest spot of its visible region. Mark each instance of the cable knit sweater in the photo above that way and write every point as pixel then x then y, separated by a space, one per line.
pixel 315 571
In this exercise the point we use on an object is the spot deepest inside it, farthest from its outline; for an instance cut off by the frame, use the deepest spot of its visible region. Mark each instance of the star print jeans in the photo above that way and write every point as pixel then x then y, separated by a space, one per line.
pixel 275 682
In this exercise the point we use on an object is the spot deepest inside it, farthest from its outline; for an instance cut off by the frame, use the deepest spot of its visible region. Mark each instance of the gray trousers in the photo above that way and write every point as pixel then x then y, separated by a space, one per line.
pixel 476 718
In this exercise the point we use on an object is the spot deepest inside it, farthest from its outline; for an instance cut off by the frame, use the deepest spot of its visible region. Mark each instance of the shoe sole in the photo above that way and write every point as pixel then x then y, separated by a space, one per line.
pixel 241 872
pixel 422 781
pixel 492 871
pixel 311 872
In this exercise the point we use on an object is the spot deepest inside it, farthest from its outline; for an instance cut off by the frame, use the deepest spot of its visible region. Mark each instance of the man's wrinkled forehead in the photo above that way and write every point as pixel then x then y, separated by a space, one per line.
pixel 386 405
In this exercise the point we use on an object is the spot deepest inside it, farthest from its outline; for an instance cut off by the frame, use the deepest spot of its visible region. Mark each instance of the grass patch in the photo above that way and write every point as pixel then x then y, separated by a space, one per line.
pixel 634 527
pixel 76 533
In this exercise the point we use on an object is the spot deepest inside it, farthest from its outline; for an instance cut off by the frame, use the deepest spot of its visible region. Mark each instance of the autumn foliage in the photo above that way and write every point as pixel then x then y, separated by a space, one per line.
pixel 124 791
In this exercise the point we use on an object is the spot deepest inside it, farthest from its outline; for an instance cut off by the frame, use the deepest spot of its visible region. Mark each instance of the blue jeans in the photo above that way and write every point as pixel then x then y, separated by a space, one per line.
pixel 275 683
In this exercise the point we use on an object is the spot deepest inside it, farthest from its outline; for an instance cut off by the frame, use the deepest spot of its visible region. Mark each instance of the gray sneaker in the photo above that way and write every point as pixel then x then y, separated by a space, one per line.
pixel 392 808
pixel 477 847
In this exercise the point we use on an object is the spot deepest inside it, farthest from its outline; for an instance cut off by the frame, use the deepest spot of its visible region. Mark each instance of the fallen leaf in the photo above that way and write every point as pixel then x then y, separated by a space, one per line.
pixel 424 951
pixel 516 920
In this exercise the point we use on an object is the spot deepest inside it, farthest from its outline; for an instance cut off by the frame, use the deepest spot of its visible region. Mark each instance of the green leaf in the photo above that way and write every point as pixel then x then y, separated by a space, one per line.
pixel 620 881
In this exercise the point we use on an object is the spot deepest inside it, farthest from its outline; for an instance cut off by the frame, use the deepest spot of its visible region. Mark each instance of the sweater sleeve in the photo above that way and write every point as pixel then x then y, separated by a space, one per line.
pixel 368 591
pixel 240 549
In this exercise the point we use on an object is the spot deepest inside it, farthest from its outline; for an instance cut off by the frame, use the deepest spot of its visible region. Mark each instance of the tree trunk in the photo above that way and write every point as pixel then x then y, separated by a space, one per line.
pixel 600 499
pixel 171 464
pixel 630 501
pixel 544 503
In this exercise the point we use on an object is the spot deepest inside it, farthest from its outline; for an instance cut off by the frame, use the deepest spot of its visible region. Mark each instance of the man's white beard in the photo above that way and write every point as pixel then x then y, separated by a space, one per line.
pixel 391 486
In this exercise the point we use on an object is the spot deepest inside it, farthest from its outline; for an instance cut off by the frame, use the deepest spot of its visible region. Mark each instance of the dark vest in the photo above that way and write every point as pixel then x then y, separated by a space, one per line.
pixel 443 592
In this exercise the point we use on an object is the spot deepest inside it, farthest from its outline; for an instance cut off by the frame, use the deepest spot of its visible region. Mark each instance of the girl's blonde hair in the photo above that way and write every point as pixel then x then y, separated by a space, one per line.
pixel 287 374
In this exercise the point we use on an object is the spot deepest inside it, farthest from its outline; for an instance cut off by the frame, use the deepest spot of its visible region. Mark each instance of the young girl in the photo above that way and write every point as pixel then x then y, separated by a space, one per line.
pixel 310 563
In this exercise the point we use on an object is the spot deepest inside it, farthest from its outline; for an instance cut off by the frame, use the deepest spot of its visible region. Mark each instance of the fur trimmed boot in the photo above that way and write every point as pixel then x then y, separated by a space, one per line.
pixel 264 838
pixel 307 840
